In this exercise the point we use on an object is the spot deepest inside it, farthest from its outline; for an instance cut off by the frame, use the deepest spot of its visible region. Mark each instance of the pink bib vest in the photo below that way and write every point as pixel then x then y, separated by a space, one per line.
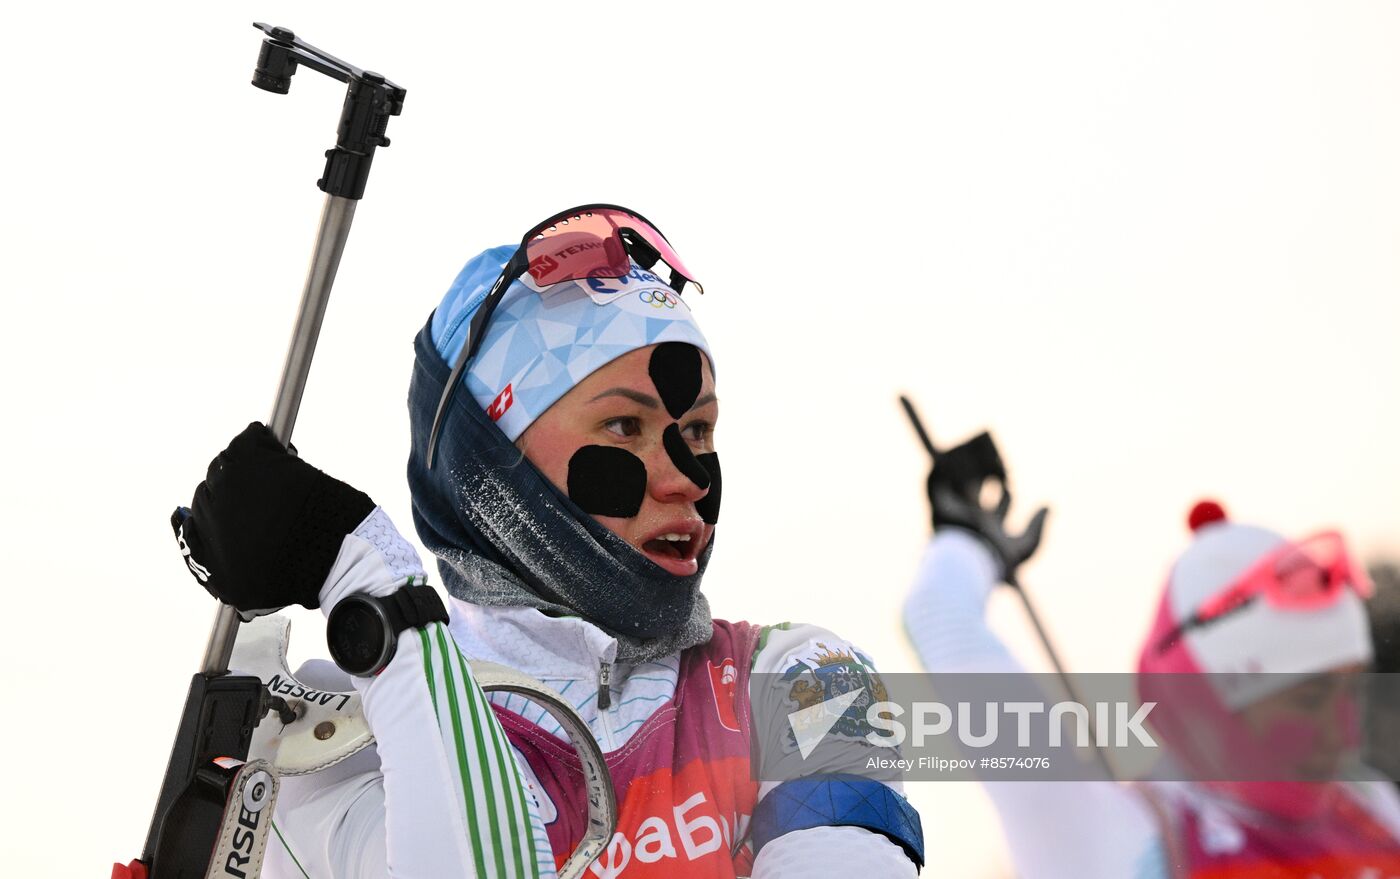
pixel 1343 842
pixel 683 780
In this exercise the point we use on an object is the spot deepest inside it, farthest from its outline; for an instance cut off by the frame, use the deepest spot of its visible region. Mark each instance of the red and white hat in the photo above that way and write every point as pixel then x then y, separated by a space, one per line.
pixel 1251 610
pixel 1255 636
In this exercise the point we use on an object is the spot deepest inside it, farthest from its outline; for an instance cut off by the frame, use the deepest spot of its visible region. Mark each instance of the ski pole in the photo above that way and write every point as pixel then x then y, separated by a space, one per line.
pixel 221 710
pixel 369 102
pixel 1011 580
pixel 334 229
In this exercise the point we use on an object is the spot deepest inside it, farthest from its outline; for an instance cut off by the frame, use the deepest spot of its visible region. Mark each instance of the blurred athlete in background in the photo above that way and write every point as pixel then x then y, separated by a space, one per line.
pixel 1240 598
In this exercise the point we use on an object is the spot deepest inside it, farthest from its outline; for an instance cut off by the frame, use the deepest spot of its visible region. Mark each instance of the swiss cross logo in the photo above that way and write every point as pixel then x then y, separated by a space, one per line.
pixel 499 405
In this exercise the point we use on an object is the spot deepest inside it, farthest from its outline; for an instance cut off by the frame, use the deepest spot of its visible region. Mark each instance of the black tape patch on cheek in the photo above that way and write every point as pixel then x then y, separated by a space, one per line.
pixel 708 506
pixel 683 457
pixel 675 370
pixel 607 481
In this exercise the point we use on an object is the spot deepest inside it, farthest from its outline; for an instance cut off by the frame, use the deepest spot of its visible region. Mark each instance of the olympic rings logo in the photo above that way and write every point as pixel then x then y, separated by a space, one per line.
pixel 657 298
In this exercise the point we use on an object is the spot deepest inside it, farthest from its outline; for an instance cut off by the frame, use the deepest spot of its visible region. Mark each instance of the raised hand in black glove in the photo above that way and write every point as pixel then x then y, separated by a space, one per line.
pixel 265 527
pixel 955 493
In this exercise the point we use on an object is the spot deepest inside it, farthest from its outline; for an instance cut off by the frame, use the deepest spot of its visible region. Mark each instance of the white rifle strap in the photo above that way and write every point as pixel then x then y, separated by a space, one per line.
pixel 602 799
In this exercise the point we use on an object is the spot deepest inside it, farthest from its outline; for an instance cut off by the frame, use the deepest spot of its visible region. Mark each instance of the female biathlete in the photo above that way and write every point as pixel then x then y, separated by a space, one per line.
pixel 563 471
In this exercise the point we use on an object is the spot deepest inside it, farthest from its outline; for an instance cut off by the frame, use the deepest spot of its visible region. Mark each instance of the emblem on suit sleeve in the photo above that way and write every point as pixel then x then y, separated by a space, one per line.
pixel 821 674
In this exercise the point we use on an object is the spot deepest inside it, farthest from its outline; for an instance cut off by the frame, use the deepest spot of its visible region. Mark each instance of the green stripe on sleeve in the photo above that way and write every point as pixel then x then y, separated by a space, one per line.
pixel 510 778
pixel 463 768
pixel 428 670
pixel 489 787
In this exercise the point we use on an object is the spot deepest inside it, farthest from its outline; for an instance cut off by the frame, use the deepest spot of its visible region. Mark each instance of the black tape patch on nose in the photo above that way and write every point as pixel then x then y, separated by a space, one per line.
pixel 708 506
pixel 675 370
pixel 607 481
pixel 683 457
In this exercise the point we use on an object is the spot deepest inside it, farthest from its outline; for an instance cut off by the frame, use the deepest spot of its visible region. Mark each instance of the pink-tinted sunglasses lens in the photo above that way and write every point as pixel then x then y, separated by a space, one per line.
pixel 585 245
pixel 589 245
pixel 1311 574
pixel 656 240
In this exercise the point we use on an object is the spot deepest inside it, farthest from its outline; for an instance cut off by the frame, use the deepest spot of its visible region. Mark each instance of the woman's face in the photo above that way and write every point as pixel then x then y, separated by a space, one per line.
pixel 1311 728
pixel 618 406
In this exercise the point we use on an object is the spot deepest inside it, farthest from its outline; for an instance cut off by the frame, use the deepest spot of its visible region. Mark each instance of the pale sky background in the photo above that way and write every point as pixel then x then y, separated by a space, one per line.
pixel 1151 245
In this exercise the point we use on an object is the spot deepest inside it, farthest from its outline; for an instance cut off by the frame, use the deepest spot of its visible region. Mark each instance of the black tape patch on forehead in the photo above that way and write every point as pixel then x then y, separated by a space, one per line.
pixel 683 457
pixel 675 370
pixel 708 506
pixel 607 481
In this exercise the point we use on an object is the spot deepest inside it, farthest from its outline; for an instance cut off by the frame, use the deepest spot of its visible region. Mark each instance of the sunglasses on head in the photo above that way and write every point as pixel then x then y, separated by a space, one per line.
pixel 1308 574
pixel 589 241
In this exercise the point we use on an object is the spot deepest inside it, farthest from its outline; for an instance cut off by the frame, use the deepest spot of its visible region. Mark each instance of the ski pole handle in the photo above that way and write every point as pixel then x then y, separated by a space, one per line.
pixel 988 456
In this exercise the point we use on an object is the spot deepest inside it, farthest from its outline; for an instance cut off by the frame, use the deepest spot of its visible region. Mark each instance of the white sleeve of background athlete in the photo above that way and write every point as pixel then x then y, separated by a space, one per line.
pixel 822 852
pixel 1055 830
pixel 447 800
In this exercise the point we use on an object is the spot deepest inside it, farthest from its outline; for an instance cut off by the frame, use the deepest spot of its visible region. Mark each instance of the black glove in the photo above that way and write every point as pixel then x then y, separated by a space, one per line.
pixel 955 493
pixel 265 527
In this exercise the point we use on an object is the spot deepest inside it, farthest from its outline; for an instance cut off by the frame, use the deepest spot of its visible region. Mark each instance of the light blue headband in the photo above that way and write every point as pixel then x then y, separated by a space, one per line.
pixel 540 343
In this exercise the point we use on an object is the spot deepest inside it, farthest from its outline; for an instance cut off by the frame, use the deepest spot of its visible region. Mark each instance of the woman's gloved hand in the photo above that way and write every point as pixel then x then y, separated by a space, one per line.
pixel 265 527
pixel 955 494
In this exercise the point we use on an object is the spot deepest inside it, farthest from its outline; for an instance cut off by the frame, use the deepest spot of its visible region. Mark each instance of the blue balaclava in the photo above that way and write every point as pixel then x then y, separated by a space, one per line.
pixel 503 534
